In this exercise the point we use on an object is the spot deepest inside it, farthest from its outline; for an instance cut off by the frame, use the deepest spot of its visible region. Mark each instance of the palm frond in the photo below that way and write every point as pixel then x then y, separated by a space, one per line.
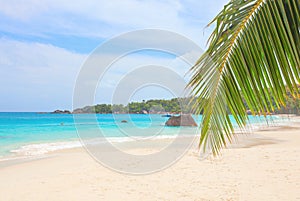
pixel 253 57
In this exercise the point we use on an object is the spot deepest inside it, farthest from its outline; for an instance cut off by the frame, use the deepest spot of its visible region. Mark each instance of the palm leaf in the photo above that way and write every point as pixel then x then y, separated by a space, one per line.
pixel 253 57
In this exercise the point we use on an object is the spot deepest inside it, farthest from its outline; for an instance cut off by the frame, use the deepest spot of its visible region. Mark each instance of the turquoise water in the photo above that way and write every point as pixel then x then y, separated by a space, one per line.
pixel 23 129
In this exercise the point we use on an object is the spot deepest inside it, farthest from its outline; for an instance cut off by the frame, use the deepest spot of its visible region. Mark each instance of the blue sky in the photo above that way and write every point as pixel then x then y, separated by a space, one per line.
pixel 43 44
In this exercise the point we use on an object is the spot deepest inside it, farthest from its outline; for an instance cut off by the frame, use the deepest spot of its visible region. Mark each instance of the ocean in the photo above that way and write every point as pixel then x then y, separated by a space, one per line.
pixel 28 134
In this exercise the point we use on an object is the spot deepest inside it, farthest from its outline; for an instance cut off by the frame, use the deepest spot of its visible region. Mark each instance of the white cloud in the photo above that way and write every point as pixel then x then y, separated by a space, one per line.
pixel 42 76
pixel 40 62
pixel 32 72
pixel 127 12
pixel 138 67
pixel 108 18
pixel 22 10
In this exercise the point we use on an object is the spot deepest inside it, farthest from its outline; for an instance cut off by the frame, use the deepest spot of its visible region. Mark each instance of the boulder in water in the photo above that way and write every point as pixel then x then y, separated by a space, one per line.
pixel 181 120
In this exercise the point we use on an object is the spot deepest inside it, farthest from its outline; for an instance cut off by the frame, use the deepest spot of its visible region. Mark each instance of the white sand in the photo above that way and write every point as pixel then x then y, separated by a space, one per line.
pixel 265 166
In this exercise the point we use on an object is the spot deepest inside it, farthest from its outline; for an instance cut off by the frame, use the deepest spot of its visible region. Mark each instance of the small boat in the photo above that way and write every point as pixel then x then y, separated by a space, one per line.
pixel 166 115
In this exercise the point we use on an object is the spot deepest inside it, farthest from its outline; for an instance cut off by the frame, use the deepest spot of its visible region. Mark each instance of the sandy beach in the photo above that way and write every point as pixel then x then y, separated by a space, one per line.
pixel 265 165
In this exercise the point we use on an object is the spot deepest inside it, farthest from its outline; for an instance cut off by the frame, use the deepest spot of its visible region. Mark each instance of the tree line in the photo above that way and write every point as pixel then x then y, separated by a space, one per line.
pixel 173 106
pixel 155 106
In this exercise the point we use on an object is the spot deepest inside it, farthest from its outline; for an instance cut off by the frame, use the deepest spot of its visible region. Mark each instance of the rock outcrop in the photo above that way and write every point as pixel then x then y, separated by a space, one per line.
pixel 78 111
pixel 61 112
pixel 181 120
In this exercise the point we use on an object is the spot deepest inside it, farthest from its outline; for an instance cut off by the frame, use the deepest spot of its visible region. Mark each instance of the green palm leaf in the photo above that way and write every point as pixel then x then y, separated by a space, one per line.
pixel 253 57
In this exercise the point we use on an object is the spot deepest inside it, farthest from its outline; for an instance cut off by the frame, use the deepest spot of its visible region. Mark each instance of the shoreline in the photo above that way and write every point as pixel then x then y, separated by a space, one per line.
pixel 32 151
pixel 266 162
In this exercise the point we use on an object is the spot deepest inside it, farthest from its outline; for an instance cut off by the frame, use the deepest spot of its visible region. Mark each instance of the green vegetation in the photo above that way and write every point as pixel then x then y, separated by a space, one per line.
pixel 175 105
pixel 292 106
pixel 253 57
